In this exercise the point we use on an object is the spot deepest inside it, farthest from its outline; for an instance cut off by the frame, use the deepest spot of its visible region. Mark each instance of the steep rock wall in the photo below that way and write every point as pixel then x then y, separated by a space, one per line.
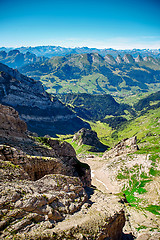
pixel 42 113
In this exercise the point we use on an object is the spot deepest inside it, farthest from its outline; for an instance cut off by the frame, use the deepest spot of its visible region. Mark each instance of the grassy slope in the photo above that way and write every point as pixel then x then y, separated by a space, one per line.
pixel 97 83
pixel 138 186
pixel 145 127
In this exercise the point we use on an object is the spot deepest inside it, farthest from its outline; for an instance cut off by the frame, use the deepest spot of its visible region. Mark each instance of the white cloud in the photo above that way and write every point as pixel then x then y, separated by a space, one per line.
pixel 149 42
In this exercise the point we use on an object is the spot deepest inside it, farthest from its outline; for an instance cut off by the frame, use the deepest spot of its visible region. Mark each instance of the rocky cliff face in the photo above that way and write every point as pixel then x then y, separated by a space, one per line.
pixel 128 59
pixel 119 59
pixel 38 166
pixel 43 196
pixel 110 59
pixel 37 159
pixel 42 113
pixel 139 58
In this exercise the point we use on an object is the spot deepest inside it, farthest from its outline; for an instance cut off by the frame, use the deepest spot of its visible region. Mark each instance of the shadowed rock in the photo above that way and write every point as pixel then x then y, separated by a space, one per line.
pixel 89 137
pixel 44 114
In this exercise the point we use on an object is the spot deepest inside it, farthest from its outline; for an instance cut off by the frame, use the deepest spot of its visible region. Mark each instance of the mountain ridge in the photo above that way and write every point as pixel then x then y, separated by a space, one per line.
pixel 92 73
pixel 94 107
pixel 43 113
pixel 15 58
pixel 50 51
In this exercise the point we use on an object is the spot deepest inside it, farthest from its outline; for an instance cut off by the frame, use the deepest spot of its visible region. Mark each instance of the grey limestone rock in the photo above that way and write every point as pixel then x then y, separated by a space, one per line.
pixel 43 113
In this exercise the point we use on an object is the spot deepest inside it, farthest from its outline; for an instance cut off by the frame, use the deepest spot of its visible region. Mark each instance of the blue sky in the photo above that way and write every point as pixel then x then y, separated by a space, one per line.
pixel 102 23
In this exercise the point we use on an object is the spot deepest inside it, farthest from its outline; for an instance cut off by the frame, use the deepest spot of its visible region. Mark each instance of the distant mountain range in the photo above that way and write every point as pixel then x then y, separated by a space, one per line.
pixel 92 73
pixel 15 58
pixel 50 51
pixel 117 74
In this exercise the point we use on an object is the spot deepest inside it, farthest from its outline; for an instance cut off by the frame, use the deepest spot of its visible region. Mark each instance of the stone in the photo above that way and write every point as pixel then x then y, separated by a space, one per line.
pixel 3 224
pixel 10 123
pixel 36 167
pixel 55 216
pixel 89 137
pixel 19 225
pixel 123 147
pixel 47 202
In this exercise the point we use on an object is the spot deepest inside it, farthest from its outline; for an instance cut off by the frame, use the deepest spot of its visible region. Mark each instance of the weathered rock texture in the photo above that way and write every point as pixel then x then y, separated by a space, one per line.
pixel 128 145
pixel 32 209
pixel 103 219
pixel 37 160
pixel 10 123
pixel 27 205
pixel 42 113
pixel 36 210
pixel 149 236
pixel 42 184
pixel 38 166
pixel 89 137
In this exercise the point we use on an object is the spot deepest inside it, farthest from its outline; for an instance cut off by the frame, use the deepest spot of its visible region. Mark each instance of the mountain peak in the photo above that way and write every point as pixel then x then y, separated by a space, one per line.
pixel 139 58
pixel 119 59
pixel 13 52
pixel 110 59
pixel 128 58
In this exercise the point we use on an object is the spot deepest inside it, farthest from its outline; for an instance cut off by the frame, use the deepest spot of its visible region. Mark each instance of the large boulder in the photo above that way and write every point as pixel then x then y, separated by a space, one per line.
pixel 89 137
pixel 128 145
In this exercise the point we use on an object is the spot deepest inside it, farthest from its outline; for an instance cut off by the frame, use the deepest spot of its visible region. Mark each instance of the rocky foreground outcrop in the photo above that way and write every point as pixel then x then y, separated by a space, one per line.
pixel 128 145
pixel 42 113
pixel 38 166
pixel 37 159
pixel 42 194
pixel 27 205
pixel 55 206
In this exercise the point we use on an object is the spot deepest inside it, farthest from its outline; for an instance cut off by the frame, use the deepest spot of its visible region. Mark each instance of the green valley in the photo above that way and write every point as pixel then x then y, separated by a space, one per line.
pixel 92 73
